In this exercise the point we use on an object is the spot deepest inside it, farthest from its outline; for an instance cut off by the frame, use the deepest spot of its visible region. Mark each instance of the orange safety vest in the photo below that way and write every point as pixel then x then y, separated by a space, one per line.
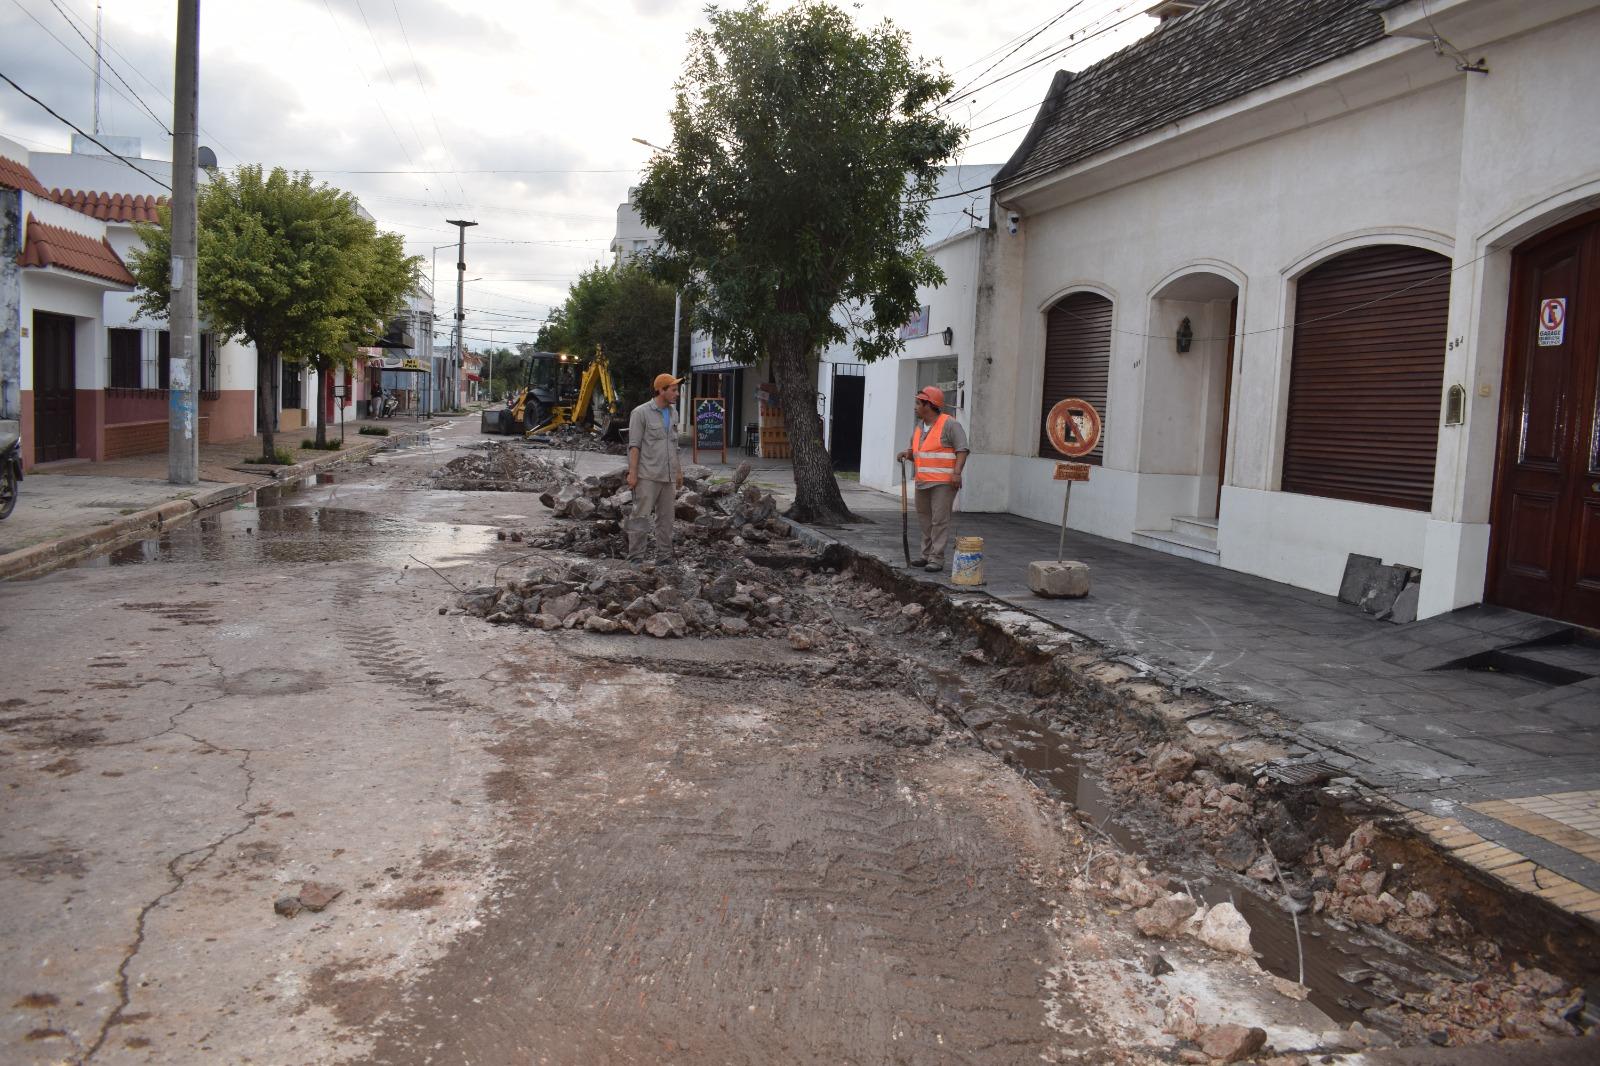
pixel 933 467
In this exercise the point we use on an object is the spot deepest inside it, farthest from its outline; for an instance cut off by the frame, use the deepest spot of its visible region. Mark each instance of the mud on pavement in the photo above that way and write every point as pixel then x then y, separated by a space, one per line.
pixel 800 841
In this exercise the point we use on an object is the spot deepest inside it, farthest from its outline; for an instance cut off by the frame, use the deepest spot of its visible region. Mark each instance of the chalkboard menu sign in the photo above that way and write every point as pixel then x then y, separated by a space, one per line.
pixel 711 424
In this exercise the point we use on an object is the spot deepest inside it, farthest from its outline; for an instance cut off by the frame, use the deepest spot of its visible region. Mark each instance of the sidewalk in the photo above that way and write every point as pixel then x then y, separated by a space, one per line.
pixel 1481 726
pixel 66 509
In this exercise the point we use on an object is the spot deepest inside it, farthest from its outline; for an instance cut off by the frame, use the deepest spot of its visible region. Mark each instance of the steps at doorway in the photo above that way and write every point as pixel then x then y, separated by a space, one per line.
pixel 1189 538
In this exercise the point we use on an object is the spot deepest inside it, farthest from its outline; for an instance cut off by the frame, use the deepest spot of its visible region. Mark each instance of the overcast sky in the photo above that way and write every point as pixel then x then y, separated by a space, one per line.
pixel 527 107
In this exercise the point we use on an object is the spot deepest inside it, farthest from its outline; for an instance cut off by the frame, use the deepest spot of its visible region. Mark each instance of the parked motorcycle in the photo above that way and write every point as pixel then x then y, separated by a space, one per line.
pixel 10 465
pixel 390 404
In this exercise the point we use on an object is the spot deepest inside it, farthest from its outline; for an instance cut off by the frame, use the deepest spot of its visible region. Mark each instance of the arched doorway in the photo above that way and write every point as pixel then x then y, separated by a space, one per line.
pixel 1545 526
pixel 1183 434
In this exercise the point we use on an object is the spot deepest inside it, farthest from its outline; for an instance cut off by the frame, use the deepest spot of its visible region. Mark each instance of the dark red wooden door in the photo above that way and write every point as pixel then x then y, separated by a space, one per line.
pixel 1546 531
pixel 55 392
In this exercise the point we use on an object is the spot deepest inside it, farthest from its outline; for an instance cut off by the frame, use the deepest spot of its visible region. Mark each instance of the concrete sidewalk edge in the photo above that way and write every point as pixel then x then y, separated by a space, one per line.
pixel 1498 868
pixel 38 558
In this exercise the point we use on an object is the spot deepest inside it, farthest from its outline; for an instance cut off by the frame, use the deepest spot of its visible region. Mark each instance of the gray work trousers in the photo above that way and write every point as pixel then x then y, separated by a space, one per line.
pixel 652 499
pixel 934 503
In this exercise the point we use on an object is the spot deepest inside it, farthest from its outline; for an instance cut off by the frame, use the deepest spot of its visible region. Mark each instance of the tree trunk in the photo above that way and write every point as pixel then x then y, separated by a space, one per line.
pixel 816 491
pixel 324 366
pixel 266 397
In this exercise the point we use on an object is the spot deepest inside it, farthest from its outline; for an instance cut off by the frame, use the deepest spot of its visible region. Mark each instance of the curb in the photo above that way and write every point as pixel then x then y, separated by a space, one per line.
pixel 38 558
pixel 1120 686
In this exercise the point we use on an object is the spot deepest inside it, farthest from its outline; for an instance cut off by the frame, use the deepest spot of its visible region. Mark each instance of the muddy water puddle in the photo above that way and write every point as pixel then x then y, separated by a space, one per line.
pixel 1346 972
pixel 271 529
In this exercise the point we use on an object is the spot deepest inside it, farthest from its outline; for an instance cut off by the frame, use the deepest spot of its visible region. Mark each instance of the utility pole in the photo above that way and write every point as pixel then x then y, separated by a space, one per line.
pixel 461 286
pixel 183 401
pixel 683 394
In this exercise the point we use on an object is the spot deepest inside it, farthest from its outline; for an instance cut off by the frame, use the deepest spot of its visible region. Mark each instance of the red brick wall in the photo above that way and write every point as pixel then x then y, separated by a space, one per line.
pixel 142 438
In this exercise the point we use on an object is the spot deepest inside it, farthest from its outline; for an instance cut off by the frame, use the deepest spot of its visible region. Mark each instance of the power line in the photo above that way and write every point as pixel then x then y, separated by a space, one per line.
pixel 110 67
pixel 376 99
pixel 376 47
pixel 1020 45
pixel 155 88
pixel 331 170
pixel 1137 13
pixel 80 60
pixel 427 97
pixel 92 139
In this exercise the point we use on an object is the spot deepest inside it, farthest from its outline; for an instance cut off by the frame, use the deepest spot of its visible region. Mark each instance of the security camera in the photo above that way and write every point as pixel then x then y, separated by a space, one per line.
pixel 1013 221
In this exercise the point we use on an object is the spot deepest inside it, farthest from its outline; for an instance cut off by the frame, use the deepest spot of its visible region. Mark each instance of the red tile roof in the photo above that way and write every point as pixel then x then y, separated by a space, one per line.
pixel 13 175
pixel 54 246
pixel 110 207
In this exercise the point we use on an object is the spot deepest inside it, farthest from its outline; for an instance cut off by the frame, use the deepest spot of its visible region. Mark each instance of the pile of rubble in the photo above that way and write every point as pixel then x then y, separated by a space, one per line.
pixel 504 466
pixel 661 601
pixel 716 521
pixel 573 439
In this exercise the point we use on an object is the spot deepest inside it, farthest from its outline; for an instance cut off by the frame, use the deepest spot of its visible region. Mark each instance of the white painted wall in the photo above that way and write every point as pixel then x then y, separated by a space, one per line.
pixel 1391 145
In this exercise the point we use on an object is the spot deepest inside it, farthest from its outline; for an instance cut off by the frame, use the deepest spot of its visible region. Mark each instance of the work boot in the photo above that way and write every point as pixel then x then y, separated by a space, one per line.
pixel 934 566
pixel 918 563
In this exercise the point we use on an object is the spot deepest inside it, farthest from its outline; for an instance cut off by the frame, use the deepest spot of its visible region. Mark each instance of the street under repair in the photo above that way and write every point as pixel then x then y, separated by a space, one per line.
pixel 399 766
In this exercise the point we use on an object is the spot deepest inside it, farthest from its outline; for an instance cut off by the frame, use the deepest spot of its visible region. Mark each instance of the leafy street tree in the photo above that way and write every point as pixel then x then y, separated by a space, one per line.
pixel 290 266
pixel 804 151
pixel 628 312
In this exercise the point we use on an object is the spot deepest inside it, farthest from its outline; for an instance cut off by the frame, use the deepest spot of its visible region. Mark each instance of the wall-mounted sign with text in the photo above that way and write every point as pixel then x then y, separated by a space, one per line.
pixel 918 326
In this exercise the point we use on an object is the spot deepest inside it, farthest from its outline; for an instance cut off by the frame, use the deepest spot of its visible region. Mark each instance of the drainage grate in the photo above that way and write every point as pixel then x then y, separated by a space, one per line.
pixel 1298 773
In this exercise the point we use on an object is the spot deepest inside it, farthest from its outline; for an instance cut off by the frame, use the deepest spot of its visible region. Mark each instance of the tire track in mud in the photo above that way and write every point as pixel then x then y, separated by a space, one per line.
pixel 782 895
pixel 381 651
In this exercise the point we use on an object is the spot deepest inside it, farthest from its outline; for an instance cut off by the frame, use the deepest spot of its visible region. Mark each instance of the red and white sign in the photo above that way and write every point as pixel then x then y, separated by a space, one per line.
pixel 1552 322
pixel 1073 427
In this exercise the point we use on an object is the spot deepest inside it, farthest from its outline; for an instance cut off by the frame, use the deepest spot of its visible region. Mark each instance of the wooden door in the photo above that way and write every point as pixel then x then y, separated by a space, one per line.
pixel 55 392
pixel 1546 524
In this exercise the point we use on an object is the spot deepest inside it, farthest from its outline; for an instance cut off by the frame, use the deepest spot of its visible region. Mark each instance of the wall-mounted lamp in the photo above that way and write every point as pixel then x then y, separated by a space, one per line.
pixel 949 336
pixel 1185 336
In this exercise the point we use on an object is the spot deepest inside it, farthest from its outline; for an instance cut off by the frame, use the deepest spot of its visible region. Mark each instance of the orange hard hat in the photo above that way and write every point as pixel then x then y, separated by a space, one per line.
pixel 933 394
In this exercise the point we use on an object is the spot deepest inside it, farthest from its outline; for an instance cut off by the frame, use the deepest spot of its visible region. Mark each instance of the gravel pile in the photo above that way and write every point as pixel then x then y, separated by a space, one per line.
pixel 573 439
pixel 504 466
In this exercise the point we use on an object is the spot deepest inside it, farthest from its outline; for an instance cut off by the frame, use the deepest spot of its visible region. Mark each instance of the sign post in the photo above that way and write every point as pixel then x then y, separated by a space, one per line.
pixel 710 426
pixel 1073 427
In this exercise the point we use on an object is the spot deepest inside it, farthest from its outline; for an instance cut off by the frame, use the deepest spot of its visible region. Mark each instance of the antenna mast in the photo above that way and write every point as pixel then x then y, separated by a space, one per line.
pixel 97 68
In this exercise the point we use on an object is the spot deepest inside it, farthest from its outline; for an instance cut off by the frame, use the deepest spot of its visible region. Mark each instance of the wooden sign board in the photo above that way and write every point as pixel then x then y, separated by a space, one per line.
pixel 1072 471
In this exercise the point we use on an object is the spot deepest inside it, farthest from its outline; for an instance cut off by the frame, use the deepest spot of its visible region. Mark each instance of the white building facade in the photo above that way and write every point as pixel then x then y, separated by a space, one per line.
pixel 1359 236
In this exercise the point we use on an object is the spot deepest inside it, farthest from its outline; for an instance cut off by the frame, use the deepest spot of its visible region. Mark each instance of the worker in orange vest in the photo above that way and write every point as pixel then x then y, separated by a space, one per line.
pixel 939 449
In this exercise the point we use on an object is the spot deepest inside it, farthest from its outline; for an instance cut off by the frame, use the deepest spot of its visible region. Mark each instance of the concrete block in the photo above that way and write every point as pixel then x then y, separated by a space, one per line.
pixel 1065 580
pixel 1358 574
pixel 1405 604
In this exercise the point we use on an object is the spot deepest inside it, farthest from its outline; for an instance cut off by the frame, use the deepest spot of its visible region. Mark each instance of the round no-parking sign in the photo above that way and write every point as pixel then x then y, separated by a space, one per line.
pixel 1073 427
pixel 1552 322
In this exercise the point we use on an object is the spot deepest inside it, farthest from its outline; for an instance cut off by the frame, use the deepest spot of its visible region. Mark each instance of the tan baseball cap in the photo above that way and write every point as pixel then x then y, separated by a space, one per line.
pixel 665 381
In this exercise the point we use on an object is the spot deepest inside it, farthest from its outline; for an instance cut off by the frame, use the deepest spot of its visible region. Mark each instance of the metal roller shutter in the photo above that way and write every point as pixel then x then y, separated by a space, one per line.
pixel 1365 380
pixel 1077 361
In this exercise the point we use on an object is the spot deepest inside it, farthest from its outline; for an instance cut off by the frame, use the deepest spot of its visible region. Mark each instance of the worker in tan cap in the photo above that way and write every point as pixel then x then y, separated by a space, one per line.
pixel 655 471
pixel 939 450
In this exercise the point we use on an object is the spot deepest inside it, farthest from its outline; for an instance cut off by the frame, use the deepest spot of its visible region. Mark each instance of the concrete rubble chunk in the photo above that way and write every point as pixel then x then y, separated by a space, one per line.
pixel 1225 929
pixel 1063 580
pixel 288 906
pixel 1171 763
pixel 665 624
pixel 1164 918
pixel 1232 1043
pixel 315 895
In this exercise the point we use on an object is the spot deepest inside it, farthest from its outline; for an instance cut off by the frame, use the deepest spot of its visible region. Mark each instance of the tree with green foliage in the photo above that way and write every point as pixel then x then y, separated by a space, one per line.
pixel 291 266
pixel 804 151
pixel 627 311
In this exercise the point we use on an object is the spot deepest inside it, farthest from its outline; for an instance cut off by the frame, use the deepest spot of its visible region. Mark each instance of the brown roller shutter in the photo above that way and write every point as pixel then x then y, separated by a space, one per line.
pixel 1077 361
pixel 1365 380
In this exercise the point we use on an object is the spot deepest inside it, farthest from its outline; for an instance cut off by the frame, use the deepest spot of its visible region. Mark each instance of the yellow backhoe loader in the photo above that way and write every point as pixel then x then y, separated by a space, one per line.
pixel 560 391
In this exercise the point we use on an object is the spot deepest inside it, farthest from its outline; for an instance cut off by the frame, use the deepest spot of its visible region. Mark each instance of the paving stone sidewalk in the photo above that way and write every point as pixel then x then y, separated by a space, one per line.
pixel 1483 723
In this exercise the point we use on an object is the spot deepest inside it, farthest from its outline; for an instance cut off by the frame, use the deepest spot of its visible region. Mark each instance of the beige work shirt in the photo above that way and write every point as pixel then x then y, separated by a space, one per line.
pixel 658 448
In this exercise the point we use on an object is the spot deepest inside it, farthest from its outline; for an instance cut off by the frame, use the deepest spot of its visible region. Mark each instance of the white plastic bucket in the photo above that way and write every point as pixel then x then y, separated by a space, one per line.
pixel 967 567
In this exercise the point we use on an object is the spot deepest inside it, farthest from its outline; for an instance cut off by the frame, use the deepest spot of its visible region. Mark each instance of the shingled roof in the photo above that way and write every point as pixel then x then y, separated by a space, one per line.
pixel 56 246
pixel 111 207
pixel 14 175
pixel 1214 54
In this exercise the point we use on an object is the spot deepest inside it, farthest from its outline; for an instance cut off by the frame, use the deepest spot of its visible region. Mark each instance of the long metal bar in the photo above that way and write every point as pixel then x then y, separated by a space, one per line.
pixel 1061 545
